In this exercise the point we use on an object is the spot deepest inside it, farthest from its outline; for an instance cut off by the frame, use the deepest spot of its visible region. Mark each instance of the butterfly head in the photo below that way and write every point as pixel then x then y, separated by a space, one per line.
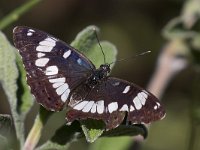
pixel 105 68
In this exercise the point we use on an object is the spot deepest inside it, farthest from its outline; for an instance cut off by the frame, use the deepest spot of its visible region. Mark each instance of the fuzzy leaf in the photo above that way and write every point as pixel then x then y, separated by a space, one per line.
pixel 25 99
pixel 92 129
pixel 85 39
pixel 119 138
pixel 63 137
pixel 8 78
pixel 5 124
pixel 127 130
pixel 87 43
pixel 117 143
pixel 3 143
pixel 109 50
pixel 5 128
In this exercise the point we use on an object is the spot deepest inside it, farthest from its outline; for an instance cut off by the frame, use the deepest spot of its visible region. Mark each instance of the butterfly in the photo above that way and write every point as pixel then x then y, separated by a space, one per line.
pixel 60 76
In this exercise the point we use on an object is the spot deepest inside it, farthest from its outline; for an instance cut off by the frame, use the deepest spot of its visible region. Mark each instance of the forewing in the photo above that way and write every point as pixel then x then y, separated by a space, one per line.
pixel 53 68
pixel 111 100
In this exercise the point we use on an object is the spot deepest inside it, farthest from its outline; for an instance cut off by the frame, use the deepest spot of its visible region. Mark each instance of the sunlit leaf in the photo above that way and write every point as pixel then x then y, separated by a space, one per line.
pixel 8 78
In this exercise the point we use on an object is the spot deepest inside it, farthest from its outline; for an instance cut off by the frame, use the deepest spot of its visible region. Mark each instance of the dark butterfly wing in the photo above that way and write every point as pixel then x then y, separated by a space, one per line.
pixel 53 68
pixel 111 100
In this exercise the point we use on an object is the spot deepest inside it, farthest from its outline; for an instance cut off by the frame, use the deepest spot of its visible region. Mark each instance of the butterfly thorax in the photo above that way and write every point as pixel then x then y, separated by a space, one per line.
pixel 99 75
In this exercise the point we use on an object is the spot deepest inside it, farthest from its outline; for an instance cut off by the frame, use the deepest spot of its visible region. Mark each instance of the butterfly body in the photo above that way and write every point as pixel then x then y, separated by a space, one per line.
pixel 98 76
pixel 59 75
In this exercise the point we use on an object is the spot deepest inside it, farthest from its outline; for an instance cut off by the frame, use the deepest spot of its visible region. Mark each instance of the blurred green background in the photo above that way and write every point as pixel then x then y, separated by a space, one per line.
pixel 134 26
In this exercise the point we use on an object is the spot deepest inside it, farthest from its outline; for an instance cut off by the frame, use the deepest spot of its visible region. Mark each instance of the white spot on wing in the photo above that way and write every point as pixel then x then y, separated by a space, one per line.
pixel 42 48
pixel 65 95
pixel 79 61
pixel 116 83
pixel 80 105
pixel 127 88
pixel 142 96
pixel 46 45
pixel 51 70
pixel 112 107
pixel 93 110
pixel 158 104
pixel 41 62
pixel 67 54
pixel 57 80
pixel 137 103
pixel 144 93
pixel 140 99
pixel 88 106
pixel 100 106
pixel 62 89
pixel 132 108
pixel 124 108
pixel 39 55
pixel 57 84
pixel 48 42
pixel 30 32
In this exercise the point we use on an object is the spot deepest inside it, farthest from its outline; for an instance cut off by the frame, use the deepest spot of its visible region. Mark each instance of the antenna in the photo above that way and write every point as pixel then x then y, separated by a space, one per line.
pixel 141 54
pixel 104 57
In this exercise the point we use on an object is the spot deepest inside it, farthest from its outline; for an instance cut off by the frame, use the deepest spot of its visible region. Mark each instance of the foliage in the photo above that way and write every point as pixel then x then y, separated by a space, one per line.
pixel 183 42
pixel 20 99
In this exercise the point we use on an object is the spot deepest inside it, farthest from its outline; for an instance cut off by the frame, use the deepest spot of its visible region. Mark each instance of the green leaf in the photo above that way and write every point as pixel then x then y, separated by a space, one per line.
pixel 5 124
pixel 49 145
pixel 109 50
pixel 3 143
pixel 85 39
pixel 191 12
pixel 25 98
pixel 63 137
pixel 176 29
pixel 87 43
pixel 8 78
pixel 117 143
pixel 127 130
pixel 36 131
pixel 92 129
pixel 119 138
pixel 5 128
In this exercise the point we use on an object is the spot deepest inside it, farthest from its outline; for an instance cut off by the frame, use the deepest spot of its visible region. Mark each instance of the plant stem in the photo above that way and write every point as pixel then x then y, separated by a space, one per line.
pixel 15 14
pixel 168 65
pixel 35 133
